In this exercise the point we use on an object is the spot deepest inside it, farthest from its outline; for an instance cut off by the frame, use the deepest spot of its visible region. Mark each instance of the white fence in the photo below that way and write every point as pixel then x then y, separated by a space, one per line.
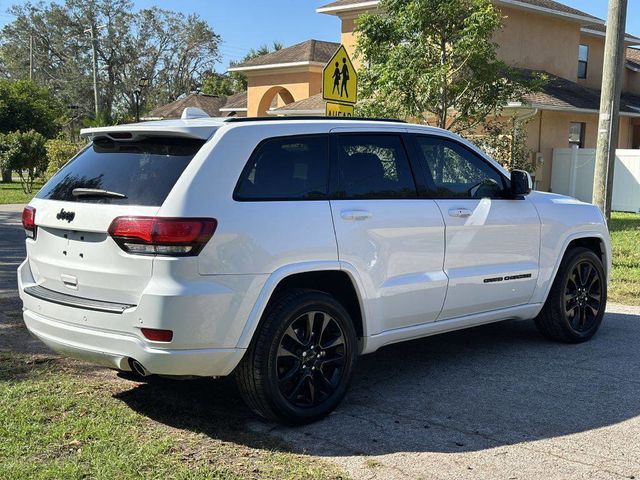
pixel 573 169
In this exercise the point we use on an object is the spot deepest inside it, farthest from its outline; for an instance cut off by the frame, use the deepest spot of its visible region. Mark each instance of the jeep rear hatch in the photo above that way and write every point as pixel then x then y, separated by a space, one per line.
pixel 72 251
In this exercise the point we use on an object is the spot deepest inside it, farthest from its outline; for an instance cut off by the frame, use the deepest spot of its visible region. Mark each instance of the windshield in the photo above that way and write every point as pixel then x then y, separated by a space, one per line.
pixel 136 173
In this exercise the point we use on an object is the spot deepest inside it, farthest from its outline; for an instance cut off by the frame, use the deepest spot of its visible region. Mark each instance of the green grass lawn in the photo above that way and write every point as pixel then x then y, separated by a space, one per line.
pixel 625 237
pixel 12 192
pixel 62 420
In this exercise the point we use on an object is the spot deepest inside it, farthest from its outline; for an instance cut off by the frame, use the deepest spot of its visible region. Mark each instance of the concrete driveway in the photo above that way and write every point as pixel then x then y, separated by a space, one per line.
pixel 494 402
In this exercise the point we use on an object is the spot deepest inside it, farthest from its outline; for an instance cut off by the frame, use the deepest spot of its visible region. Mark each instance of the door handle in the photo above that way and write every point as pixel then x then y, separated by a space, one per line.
pixel 357 215
pixel 459 212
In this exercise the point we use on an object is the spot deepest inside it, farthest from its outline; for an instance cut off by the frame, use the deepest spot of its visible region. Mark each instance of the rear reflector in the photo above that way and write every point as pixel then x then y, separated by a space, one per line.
pixel 29 221
pixel 156 335
pixel 162 236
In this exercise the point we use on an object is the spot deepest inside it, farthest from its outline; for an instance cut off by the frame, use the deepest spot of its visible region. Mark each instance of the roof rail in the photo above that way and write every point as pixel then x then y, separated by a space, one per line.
pixel 307 117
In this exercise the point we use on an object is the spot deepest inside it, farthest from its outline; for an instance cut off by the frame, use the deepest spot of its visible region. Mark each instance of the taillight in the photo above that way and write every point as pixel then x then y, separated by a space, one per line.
pixel 176 237
pixel 29 221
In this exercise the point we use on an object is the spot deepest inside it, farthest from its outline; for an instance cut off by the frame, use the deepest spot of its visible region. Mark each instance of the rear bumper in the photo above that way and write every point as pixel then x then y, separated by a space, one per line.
pixel 113 350
pixel 207 316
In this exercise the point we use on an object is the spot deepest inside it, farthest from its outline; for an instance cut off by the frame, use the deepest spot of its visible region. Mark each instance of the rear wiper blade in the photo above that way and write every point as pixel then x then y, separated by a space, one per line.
pixel 96 192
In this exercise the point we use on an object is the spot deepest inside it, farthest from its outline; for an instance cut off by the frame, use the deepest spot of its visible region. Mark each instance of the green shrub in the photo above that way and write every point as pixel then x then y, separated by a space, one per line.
pixel 59 152
pixel 24 153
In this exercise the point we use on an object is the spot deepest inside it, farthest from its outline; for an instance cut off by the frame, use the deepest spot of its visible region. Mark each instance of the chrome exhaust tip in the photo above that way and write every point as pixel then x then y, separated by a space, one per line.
pixel 137 368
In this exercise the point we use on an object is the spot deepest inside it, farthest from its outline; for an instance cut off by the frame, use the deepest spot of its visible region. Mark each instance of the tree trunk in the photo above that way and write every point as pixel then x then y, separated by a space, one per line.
pixel 444 94
pixel 6 176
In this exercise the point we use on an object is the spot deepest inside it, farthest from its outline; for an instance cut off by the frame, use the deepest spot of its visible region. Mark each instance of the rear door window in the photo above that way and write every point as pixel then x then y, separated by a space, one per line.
pixel 143 171
pixel 286 168
pixel 373 166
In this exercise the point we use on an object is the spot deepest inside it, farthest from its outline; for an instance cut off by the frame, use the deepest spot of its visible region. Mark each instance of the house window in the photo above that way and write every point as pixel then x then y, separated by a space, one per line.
pixel 583 60
pixel 576 134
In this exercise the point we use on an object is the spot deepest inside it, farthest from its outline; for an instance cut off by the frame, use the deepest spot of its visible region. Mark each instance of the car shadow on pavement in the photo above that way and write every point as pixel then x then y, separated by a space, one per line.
pixel 471 390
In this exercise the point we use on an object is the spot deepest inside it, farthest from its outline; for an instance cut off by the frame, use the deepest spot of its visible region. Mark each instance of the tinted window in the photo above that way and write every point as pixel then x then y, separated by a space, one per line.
pixel 290 168
pixel 145 171
pixel 453 171
pixel 583 60
pixel 374 166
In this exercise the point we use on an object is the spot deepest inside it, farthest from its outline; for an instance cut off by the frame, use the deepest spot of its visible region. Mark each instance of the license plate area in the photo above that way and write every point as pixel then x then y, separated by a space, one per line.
pixel 85 246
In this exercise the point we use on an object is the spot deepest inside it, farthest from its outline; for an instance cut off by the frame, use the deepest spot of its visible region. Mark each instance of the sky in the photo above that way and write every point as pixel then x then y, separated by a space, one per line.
pixel 245 24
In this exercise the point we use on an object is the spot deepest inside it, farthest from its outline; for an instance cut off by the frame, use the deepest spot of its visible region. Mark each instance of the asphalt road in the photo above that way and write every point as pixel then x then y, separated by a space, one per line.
pixel 496 401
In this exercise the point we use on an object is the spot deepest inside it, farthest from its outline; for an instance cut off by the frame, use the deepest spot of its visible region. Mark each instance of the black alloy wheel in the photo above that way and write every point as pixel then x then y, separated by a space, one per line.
pixel 311 359
pixel 583 296
pixel 299 364
pixel 576 303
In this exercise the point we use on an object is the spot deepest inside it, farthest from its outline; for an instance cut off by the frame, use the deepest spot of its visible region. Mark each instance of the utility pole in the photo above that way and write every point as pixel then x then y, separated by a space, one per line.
pixel 94 45
pixel 30 57
pixel 609 123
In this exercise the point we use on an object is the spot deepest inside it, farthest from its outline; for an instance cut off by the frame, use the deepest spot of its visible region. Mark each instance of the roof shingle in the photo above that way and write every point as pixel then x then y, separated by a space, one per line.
pixel 603 29
pixel 209 103
pixel 548 4
pixel 556 93
pixel 236 101
pixel 633 58
pixel 309 51
pixel 314 103
pixel 559 93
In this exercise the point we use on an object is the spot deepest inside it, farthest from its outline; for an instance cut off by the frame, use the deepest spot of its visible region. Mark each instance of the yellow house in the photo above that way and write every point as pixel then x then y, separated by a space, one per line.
pixel 540 35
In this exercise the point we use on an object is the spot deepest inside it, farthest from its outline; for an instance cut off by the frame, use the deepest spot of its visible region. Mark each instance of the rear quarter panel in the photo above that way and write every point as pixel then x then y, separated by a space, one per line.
pixel 252 237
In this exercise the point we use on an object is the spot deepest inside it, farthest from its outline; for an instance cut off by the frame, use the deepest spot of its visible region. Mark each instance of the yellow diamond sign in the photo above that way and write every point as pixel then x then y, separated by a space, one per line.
pixel 339 79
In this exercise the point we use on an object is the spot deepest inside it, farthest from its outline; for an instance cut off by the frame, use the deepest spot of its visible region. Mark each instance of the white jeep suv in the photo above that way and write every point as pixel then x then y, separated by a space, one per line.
pixel 281 249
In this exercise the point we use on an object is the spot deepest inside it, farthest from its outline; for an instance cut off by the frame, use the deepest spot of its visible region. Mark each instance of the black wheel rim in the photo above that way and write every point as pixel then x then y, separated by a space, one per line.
pixel 583 296
pixel 311 359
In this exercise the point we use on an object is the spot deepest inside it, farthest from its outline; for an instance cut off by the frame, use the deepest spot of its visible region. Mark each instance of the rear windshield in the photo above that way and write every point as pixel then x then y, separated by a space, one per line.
pixel 135 173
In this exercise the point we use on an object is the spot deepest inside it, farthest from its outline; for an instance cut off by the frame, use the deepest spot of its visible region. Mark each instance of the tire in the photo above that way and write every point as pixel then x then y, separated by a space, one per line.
pixel 575 307
pixel 299 364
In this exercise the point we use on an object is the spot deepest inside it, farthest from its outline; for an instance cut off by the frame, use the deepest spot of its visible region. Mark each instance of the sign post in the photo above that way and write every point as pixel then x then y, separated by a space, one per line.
pixel 340 85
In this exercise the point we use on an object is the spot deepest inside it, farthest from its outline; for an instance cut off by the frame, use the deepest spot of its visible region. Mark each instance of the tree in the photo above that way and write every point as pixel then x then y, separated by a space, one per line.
pixel 239 78
pixel 170 49
pixel 25 153
pixel 59 152
pixel 26 106
pixel 429 60
pixel 218 84
pixel 506 141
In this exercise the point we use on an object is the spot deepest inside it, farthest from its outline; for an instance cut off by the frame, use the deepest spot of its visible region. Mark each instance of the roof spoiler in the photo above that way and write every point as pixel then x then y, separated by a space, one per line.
pixel 138 131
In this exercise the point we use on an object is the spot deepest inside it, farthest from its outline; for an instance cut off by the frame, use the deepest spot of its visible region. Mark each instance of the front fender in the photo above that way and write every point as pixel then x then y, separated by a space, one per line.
pixel 549 270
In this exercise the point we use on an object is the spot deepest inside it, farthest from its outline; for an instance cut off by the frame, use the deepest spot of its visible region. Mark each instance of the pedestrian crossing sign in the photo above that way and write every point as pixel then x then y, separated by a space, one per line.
pixel 340 79
pixel 338 110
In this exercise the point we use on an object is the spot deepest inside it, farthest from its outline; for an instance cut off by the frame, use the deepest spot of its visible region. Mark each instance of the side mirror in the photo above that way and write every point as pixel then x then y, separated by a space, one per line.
pixel 521 183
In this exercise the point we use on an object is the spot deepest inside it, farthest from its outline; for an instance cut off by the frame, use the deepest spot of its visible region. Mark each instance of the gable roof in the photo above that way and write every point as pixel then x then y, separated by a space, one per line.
pixel 235 102
pixel 214 105
pixel 313 105
pixel 564 95
pixel 543 6
pixel 305 53
pixel 601 30
pixel 209 103
pixel 556 94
